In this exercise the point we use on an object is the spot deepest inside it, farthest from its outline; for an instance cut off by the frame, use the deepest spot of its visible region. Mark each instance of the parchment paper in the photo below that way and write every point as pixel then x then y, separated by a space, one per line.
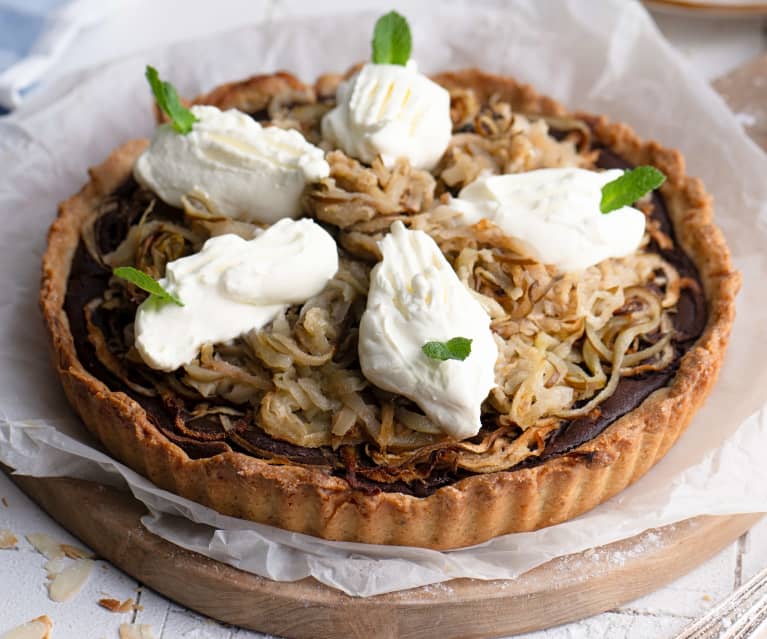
pixel 605 57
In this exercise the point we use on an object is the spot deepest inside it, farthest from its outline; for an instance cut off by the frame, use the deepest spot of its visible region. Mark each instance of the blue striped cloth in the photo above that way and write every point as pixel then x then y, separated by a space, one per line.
pixel 22 22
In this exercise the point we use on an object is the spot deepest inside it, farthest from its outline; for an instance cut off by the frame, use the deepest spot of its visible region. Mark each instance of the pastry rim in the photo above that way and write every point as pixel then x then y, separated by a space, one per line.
pixel 479 507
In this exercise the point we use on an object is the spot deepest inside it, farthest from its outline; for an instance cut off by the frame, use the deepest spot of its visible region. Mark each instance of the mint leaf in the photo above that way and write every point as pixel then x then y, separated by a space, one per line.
pixel 391 40
pixel 457 348
pixel 181 118
pixel 629 187
pixel 146 283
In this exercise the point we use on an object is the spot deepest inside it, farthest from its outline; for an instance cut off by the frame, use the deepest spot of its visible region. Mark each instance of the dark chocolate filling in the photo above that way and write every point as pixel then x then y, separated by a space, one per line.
pixel 689 322
pixel 88 279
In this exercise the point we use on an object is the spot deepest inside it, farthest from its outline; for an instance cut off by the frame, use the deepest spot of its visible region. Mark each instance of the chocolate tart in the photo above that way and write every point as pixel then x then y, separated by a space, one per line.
pixel 323 492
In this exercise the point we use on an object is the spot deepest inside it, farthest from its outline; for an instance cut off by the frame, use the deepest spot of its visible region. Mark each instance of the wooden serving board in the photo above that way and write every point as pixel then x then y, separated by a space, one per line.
pixel 560 591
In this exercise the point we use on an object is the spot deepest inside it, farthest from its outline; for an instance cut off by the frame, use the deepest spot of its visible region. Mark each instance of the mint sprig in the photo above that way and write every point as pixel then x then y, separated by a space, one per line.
pixel 391 40
pixel 629 187
pixel 167 99
pixel 146 283
pixel 457 348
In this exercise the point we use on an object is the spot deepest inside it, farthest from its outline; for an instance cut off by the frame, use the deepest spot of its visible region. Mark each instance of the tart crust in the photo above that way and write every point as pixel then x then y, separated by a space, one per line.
pixel 477 508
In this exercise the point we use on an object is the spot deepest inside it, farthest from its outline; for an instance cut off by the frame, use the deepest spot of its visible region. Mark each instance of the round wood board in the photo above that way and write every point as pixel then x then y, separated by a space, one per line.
pixel 557 592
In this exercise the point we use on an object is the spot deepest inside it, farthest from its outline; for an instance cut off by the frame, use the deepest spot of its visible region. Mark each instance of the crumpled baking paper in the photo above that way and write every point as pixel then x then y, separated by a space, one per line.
pixel 605 57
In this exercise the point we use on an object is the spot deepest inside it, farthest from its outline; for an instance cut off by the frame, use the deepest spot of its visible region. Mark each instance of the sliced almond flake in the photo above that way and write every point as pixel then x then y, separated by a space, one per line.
pixel 115 605
pixel 39 628
pixel 45 545
pixel 136 631
pixel 66 584
pixel 54 566
pixel 112 605
pixel 7 539
pixel 73 552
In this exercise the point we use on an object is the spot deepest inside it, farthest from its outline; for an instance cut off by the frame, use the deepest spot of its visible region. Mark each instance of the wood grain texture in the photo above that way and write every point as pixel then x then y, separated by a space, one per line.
pixel 562 590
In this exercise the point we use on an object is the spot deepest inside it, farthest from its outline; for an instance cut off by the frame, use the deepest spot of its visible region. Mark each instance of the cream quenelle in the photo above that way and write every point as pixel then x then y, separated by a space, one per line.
pixel 243 170
pixel 233 286
pixel 556 213
pixel 416 297
pixel 392 111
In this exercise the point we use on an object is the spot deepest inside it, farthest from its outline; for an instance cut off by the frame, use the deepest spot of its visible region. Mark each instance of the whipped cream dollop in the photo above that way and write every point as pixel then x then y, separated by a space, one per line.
pixel 233 286
pixel 392 111
pixel 415 297
pixel 555 212
pixel 241 169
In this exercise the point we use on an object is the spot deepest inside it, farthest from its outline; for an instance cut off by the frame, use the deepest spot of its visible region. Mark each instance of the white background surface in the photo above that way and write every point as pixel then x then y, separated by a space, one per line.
pixel 713 47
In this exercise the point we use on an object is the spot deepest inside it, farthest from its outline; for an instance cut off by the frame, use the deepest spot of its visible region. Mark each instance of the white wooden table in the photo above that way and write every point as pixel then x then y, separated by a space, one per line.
pixel 713 47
